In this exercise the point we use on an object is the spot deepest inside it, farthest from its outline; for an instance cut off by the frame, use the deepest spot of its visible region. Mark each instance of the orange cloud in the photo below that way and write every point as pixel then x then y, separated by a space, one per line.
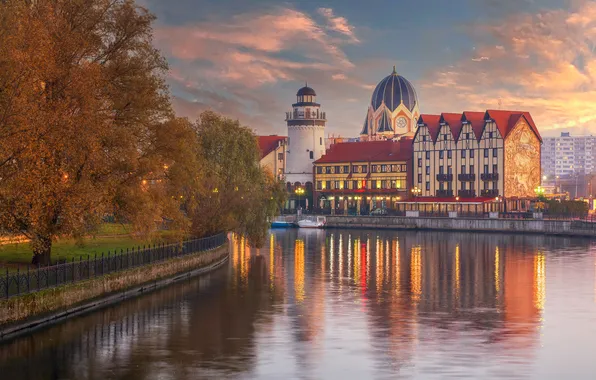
pixel 339 24
pixel 544 63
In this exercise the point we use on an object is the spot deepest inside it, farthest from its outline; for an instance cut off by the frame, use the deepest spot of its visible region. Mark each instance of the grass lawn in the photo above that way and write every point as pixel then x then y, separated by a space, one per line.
pixel 110 237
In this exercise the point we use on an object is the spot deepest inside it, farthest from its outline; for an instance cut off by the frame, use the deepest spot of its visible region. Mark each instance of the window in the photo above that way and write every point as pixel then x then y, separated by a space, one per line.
pixel 495 168
pixel 441 154
pixel 471 153
pixel 336 185
pixel 495 185
pixel 495 152
pixel 355 185
pixel 364 168
pixel 463 185
pixel 463 169
pixel 354 168
pixel 463 154
pixel 423 138
pixel 490 135
pixel 485 185
pixel 449 154
pixel 319 170
pixel 428 170
pixel 312 154
pixel 327 169
pixel 471 169
pixel 420 162
pixel 441 185
pixel 449 185
pixel 449 170
pixel 427 186
pixel 373 168
pixel 383 168
pixel 485 153
pixel 384 184
pixel 280 157
pixel 346 169
pixel 320 141
pixel 328 184
pixel 441 169
pixel 428 154
pixel 337 170
pixel 467 136
pixel 485 169
pixel 319 185
pixel 419 178
pixel 445 137
pixel 346 184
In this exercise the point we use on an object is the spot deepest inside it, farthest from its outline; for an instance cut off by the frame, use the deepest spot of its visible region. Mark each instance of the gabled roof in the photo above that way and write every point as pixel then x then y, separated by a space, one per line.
pixel 454 121
pixel 384 123
pixel 268 144
pixel 368 151
pixel 432 122
pixel 507 120
pixel 476 119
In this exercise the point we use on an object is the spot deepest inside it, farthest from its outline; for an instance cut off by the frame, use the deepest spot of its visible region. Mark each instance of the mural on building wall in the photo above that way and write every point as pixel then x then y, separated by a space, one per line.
pixel 522 162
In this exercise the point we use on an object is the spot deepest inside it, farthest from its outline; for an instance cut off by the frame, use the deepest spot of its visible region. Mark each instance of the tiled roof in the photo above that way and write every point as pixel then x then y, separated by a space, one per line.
pixel 368 151
pixel 477 121
pixel 454 121
pixel 432 122
pixel 507 120
pixel 268 144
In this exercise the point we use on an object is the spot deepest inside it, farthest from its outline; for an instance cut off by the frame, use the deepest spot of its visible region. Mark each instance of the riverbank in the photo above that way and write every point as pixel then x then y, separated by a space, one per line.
pixel 21 315
pixel 532 226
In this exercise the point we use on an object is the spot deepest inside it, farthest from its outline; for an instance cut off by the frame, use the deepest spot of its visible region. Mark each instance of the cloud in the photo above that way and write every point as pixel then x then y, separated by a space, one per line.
pixel 338 24
pixel 543 62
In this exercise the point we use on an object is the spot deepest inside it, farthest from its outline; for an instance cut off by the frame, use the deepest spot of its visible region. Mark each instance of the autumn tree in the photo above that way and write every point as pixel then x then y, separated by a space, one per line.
pixel 234 192
pixel 82 105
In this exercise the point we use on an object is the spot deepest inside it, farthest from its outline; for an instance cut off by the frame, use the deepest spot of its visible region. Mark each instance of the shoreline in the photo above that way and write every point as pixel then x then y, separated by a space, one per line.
pixel 38 320
pixel 567 228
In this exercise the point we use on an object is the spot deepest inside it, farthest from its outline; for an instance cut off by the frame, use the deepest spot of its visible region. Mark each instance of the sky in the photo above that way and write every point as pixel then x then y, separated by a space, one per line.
pixel 247 58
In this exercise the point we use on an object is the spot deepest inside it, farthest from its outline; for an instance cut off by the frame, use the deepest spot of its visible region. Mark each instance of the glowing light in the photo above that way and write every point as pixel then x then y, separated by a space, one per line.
pixel 497 272
pixel 539 280
pixel 416 273
pixel 457 273
pixel 299 270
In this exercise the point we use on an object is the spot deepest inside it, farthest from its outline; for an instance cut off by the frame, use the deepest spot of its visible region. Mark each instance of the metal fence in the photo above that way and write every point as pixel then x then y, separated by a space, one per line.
pixel 32 279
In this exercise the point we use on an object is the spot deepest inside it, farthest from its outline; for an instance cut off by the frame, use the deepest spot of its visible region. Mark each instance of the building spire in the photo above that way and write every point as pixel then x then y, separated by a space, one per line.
pixel 305 83
pixel 394 72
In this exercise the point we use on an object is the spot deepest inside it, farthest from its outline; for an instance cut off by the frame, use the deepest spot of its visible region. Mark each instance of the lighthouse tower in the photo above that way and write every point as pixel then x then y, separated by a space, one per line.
pixel 306 138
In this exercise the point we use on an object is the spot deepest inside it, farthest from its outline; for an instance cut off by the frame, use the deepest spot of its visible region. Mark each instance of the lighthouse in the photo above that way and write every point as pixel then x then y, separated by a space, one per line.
pixel 306 139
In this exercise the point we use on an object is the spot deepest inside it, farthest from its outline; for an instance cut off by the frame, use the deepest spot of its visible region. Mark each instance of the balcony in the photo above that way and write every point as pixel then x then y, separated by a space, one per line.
pixel 467 177
pixel 444 193
pixel 444 177
pixel 466 193
pixel 489 193
pixel 489 176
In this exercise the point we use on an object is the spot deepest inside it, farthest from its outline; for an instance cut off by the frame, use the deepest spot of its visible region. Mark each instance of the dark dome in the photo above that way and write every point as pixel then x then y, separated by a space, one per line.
pixel 393 90
pixel 305 91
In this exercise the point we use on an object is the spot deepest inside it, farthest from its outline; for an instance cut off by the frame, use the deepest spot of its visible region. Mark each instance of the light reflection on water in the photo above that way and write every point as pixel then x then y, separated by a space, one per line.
pixel 345 305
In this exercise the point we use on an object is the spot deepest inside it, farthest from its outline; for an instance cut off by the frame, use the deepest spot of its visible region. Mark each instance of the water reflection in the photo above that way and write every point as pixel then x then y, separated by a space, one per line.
pixel 329 304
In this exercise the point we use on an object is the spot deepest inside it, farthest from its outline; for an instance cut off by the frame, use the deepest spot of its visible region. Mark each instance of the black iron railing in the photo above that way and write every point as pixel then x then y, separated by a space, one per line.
pixel 31 279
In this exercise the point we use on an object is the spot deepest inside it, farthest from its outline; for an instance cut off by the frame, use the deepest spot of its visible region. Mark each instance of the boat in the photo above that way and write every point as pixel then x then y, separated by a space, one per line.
pixel 318 222
pixel 281 224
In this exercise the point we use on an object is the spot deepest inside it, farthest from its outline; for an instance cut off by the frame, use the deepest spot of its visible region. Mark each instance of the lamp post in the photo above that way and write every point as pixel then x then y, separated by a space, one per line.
pixel 416 192
pixel 299 191
pixel 457 205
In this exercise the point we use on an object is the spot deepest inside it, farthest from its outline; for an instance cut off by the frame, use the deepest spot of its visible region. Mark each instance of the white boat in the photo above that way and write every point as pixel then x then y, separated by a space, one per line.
pixel 313 222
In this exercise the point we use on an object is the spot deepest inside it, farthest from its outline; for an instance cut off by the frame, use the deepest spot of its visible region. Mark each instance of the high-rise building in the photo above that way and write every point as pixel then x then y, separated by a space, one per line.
pixel 567 155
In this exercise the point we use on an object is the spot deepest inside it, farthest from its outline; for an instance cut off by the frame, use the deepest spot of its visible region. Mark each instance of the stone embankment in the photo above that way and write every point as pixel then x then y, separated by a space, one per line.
pixel 533 226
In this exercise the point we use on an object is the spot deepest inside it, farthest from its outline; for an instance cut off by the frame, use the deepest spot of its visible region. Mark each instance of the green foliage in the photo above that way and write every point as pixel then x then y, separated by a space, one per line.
pixel 235 192
pixel 567 208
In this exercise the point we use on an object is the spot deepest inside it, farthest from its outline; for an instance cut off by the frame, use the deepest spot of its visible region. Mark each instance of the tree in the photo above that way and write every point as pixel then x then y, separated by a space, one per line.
pixel 82 101
pixel 235 193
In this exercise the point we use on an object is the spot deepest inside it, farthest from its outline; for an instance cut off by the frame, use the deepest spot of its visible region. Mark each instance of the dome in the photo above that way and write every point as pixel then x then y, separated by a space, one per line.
pixel 393 90
pixel 305 91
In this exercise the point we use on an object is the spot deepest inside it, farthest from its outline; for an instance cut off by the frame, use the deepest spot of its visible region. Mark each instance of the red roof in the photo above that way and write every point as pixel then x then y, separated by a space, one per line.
pixel 454 121
pixel 368 151
pixel 432 122
pixel 268 144
pixel 449 200
pixel 477 121
pixel 507 120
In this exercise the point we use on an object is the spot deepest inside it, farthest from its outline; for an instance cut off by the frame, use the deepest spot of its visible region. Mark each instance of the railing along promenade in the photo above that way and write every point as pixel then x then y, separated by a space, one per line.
pixel 31 279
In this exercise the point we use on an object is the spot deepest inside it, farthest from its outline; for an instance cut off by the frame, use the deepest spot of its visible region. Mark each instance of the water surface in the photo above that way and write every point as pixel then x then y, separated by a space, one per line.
pixel 347 304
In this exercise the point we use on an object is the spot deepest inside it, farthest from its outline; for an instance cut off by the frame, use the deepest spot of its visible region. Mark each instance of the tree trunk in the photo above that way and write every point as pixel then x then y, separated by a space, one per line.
pixel 42 248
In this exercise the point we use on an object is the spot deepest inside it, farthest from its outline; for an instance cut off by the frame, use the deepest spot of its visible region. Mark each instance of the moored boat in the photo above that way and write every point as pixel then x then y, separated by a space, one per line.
pixel 318 222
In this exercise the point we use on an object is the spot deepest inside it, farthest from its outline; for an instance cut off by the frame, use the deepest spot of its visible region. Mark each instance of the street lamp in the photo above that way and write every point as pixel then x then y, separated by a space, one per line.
pixel 416 191
pixel 457 204
pixel 299 191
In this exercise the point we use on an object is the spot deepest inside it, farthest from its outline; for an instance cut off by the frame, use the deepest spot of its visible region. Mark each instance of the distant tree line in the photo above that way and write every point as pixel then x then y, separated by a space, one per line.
pixel 87 130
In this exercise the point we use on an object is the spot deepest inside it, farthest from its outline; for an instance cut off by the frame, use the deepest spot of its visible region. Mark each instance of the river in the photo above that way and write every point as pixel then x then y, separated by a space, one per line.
pixel 345 304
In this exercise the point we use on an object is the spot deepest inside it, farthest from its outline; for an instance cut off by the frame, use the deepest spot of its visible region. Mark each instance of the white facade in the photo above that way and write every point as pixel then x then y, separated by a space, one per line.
pixel 306 137
pixel 568 155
